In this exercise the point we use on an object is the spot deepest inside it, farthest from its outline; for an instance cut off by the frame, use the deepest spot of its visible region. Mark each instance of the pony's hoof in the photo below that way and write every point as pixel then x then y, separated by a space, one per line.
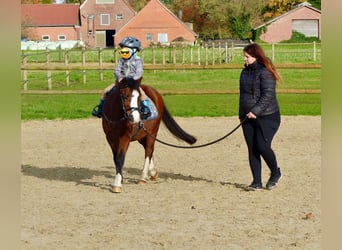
pixel 141 182
pixel 155 177
pixel 116 189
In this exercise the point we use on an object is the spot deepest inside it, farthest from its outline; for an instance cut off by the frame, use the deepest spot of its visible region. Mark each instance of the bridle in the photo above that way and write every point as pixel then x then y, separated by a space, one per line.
pixel 126 110
pixel 129 110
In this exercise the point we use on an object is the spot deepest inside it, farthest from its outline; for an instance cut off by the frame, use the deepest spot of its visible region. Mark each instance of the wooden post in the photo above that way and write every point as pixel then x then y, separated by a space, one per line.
pixel 183 54
pixel 48 71
pixel 115 56
pixel 66 62
pixel 84 76
pixel 101 63
pixel 314 51
pixel 206 54
pixel 60 53
pixel 153 55
pixel 226 52
pixel 25 71
pixel 213 53
pixel 273 52
pixel 199 55
pixel 232 52
pixel 219 52
pixel 174 54
pixel 191 55
pixel 163 53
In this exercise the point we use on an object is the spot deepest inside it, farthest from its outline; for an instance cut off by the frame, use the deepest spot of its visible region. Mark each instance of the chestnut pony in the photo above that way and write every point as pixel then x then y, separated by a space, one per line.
pixel 122 124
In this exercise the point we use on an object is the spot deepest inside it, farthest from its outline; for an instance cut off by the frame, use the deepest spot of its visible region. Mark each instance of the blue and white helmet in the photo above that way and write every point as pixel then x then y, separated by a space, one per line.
pixel 131 42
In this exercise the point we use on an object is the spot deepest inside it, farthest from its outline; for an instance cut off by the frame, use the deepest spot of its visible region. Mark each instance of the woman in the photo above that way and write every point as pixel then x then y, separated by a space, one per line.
pixel 130 66
pixel 259 105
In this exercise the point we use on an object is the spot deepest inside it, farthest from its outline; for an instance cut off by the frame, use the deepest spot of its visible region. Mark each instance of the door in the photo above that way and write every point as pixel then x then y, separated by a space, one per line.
pixel 100 38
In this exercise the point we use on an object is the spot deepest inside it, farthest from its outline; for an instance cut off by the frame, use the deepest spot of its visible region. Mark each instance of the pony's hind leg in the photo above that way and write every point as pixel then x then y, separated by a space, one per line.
pixel 148 170
pixel 153 171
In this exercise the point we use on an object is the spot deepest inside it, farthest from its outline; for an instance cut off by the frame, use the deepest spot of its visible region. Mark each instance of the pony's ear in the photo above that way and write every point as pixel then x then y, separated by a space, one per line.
pixel 133 84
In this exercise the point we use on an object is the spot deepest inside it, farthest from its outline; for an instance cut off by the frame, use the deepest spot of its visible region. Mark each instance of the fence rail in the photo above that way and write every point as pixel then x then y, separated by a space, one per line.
pixel 211 56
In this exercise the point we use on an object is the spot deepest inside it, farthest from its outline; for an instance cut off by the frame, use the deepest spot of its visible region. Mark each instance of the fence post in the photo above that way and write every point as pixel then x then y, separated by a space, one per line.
pixel 183 55
pixel 191 55
pixel 226 52
pixel 232 52
pixel 206 54
pixel 60 52
pixel 163 52
pixel 199 55
pixel 48 71
pixel 25 71
pixel 84 76
pixel 115 56
pixel 273 52
pixel 174 54
pixel 213 53
pixel 66 62
pixel 314 51
pixel 101 63
pixel 219 52
pixel 153 55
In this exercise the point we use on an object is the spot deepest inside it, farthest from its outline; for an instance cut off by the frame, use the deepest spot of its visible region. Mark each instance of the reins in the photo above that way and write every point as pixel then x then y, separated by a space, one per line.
pixel 196 146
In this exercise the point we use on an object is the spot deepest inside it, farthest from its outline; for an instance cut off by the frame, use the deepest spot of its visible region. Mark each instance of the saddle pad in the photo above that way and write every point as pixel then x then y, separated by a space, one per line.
pixel 154 111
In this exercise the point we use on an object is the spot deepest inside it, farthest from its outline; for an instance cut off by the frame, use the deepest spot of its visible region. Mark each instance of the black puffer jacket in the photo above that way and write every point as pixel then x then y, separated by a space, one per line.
pixel 257 91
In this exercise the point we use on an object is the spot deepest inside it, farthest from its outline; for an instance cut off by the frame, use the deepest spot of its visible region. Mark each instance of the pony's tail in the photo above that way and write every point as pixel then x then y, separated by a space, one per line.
pixel 175 129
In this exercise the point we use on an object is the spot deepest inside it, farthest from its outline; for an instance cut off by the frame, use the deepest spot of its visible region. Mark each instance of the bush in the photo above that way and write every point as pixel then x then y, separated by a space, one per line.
pixel 298 37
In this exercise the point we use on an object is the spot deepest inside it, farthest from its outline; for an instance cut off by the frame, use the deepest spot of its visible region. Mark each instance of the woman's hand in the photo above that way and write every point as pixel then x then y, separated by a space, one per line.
pixel 250 115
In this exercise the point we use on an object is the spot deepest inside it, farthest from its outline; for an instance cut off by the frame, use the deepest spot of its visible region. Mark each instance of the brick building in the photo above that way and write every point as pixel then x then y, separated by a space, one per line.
pixel 156 24
pixel 50 22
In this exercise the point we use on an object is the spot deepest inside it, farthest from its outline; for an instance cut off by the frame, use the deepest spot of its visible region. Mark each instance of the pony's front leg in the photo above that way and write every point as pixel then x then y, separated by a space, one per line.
pixel 148 169
pixel 119 160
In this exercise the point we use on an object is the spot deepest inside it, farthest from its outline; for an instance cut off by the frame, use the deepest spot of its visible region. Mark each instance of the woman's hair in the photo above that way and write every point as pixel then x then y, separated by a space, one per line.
pixel 257 52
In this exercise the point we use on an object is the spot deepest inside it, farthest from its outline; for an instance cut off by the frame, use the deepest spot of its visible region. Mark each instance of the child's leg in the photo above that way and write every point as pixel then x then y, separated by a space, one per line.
pixel 143 94
pixel 106 90
pixel 97 111
pixel 145 105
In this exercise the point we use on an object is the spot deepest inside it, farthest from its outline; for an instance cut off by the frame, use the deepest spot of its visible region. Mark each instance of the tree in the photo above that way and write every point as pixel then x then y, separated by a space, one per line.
pixel 241 25
pixel 137 5
pixel 315 3
pixel 276 8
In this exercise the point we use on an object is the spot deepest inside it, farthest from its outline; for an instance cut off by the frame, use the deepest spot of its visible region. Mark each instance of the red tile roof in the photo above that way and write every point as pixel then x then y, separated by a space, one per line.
pixel 50 14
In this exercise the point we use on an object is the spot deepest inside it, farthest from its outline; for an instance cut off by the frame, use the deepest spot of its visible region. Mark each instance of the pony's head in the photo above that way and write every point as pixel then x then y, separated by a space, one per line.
pixel 130 98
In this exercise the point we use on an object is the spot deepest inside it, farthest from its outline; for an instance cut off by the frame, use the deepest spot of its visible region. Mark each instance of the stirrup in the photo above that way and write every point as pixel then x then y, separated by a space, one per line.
pixel 145 113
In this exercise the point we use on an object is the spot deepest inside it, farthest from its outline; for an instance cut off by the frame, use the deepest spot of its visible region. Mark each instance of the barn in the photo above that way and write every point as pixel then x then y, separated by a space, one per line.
pixel 156 24
pixel 303 18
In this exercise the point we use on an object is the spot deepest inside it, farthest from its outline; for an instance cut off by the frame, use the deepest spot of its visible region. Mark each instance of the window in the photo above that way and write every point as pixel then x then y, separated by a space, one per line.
pixel 90 24
pixel 162 38
pixel 105 19
pixel 119 17
pixel 45 37
pixel 149 37
pixel 61 37
pixel 104 1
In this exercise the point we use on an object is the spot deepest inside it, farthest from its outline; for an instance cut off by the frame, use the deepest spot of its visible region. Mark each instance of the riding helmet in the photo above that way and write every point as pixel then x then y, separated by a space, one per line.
pixel 131 42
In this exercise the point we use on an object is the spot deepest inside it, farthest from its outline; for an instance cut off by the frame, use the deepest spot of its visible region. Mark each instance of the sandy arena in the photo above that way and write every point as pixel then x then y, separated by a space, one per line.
pixel 199 201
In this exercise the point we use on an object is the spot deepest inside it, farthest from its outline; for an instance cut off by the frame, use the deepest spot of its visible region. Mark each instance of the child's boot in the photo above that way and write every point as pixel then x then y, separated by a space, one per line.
pixel 97 111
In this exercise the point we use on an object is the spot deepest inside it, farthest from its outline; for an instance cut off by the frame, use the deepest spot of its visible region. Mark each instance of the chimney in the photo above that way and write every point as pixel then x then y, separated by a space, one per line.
pixel 180 14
